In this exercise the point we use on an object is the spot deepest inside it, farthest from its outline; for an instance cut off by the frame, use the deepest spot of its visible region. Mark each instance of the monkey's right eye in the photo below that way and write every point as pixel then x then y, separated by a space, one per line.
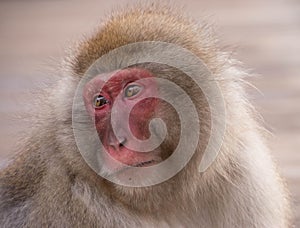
pixel 100 101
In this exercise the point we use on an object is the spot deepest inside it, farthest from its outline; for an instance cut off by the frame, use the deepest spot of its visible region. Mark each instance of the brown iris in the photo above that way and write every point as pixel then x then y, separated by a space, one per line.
pixel 99 101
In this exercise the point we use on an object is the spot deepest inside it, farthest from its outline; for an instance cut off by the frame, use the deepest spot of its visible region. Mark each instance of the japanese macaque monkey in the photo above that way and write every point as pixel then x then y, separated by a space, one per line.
pixel 87 162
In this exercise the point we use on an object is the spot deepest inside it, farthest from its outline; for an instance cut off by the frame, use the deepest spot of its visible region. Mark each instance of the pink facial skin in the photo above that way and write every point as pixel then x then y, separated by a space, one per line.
pixel 140 116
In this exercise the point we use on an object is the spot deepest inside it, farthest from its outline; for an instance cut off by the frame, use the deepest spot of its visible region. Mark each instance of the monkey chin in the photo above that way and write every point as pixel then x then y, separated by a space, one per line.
pixel 125 168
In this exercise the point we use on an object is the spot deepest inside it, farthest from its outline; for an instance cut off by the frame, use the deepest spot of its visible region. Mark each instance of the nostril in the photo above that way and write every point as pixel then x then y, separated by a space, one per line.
pixel 117 143
pixel 122 142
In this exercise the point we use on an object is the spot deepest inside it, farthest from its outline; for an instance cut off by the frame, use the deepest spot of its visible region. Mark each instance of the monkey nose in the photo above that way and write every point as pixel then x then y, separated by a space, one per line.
pixel 118 143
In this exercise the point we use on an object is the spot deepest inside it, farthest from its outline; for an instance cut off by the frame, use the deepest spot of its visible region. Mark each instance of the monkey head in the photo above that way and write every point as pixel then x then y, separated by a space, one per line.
pixel 145 103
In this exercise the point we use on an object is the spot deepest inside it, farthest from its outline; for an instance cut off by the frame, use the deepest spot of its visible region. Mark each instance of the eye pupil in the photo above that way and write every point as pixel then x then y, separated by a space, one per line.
pixel 100 101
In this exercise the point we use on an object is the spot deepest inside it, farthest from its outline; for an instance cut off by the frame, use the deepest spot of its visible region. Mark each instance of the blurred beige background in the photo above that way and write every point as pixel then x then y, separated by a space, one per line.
pixel 265 35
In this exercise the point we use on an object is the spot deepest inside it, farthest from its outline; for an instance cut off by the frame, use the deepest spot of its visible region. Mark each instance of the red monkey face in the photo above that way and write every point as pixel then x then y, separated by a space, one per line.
pixel 129 97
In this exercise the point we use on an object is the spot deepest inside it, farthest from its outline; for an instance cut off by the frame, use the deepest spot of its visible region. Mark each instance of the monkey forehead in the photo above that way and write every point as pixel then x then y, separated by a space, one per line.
pixel 112 83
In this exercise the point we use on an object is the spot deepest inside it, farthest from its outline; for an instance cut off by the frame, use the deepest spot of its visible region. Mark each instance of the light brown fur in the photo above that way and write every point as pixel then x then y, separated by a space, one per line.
pixel 50 185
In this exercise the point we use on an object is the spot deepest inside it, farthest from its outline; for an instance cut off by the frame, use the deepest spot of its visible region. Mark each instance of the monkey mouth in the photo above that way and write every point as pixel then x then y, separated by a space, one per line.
pixel 130 158
pixel 144 164
pixel 123 169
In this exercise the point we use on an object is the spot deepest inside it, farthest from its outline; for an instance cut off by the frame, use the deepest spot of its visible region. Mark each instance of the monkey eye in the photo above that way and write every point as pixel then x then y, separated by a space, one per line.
pixel 99 101
pixel 132 90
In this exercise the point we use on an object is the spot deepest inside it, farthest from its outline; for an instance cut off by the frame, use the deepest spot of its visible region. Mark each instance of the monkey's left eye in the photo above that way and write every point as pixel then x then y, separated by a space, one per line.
pixel 99 101
pixel 132 90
